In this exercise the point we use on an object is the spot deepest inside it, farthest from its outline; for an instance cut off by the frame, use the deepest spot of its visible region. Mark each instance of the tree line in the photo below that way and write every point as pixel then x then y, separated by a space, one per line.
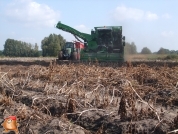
pixel 131 48
pixel 15 48
pixel 50 46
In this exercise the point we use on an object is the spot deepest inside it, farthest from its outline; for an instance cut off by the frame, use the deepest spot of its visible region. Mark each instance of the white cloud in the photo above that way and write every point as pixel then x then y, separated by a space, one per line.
pixel 83 28
pixel 124 13
pixel 167 33
pixel 32 13
pixel 166 16
pixel 151 16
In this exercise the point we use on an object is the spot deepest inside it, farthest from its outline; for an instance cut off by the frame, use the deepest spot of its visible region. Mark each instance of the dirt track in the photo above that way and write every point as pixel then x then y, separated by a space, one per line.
pixel 86 99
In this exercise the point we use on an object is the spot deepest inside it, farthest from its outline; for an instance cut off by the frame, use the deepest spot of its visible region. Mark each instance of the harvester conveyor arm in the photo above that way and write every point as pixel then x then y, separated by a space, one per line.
pixel 84 36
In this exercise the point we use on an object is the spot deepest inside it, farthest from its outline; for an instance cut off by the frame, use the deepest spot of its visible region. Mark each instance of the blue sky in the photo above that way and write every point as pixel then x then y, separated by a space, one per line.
pixel 147 23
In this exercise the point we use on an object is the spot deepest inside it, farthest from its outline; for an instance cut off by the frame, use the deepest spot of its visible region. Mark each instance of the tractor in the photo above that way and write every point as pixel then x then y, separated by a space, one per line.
pixel 71 51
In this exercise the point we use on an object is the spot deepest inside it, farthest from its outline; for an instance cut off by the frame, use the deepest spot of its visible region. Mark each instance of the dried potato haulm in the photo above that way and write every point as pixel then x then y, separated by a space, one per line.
pixel 90 98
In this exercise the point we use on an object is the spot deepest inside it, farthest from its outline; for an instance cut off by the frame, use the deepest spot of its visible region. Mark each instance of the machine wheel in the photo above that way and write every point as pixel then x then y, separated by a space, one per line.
pixel 60 55
pixel 78 55
pixel 74 56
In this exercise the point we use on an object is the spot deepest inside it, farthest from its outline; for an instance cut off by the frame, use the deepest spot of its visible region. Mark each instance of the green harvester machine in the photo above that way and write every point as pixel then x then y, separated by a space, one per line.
pixel 105 43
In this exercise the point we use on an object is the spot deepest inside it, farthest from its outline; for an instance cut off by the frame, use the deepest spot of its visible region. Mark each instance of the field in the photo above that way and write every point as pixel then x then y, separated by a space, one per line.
pixel 136 57
pixel 90 98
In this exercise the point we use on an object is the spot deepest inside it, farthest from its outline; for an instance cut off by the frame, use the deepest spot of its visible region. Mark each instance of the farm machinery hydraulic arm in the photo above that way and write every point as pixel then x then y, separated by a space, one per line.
pixel 76 33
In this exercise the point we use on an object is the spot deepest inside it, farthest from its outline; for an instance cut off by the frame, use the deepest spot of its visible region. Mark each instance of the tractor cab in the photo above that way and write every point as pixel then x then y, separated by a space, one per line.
pixel 71 50
pixel 67 50
pixel 110 39
pixel 104 36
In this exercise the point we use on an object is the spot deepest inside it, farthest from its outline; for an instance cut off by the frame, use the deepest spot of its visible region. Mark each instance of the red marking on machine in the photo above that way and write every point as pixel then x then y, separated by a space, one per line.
pixel 79 45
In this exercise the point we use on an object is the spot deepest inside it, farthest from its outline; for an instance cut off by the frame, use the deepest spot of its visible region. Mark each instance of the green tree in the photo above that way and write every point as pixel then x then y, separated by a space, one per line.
pixel 9 47
pixel 52 44
pixel 1 53
pixel 146 50
pixel 36 52
pixel 20 49
pixel 163 51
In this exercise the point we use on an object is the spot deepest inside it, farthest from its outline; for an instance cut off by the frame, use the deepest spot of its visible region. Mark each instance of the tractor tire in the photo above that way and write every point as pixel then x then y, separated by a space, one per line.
pixel 60 55
pixel 78 55
pixel 74 56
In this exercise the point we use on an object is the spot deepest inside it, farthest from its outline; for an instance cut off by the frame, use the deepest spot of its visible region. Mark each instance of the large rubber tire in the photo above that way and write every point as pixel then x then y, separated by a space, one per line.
pixel 78 55
pixel 74 56
pixel 60 55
